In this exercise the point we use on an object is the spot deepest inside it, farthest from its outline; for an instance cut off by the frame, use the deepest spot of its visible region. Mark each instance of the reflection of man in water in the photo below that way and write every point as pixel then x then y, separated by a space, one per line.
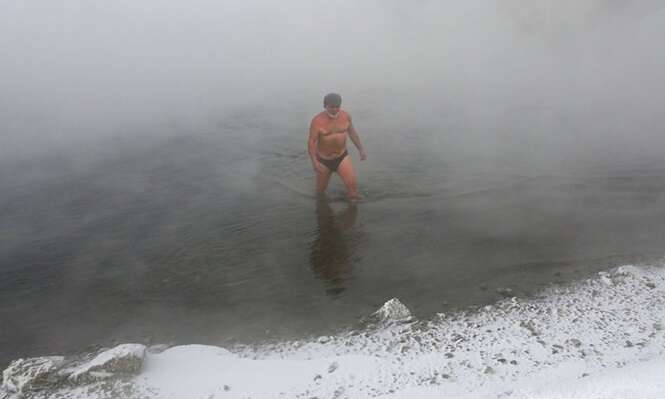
pixel 330 255
pixel 327 146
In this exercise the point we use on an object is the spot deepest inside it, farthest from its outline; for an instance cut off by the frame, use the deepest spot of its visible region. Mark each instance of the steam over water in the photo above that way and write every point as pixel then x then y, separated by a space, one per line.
pixel 156 187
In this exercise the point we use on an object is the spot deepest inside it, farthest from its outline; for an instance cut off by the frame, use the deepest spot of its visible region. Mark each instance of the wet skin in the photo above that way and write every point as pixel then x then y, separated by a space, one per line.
pixel 327 138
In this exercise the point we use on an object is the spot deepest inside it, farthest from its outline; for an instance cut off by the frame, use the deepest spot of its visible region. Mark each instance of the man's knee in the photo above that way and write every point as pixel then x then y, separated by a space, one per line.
pixel 321 186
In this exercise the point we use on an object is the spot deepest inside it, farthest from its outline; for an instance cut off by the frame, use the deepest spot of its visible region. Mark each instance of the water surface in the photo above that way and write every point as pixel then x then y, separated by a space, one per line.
pixel 215 237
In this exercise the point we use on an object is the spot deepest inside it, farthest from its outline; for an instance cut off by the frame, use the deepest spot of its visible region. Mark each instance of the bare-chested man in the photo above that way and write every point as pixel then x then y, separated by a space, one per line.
pixel 327 146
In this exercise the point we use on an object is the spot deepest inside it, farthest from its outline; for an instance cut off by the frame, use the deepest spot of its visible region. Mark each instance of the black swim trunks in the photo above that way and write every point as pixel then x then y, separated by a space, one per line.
pixel 332 164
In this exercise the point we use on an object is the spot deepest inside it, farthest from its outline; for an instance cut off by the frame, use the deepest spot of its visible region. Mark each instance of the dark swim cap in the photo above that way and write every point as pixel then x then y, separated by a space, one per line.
pixel 333 99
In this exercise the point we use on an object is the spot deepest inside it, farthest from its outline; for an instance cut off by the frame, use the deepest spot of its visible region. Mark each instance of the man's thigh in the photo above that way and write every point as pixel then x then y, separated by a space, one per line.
pixel 322 180
pixel 347 173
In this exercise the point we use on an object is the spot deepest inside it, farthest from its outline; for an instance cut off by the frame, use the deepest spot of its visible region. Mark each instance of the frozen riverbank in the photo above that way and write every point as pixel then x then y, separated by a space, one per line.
pixel 601 337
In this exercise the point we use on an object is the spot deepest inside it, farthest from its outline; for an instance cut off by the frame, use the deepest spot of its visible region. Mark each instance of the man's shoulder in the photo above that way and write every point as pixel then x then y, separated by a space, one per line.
pixel 317 118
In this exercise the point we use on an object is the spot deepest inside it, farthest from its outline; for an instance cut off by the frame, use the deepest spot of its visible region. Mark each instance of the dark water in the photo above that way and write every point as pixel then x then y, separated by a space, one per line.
pixel 216 238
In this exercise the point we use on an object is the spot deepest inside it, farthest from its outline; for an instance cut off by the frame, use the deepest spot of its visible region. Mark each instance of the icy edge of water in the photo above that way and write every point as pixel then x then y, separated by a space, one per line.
pixel 586 328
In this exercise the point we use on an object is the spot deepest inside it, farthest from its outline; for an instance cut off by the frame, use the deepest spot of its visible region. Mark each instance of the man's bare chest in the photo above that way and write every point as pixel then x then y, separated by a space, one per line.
pixel 336 128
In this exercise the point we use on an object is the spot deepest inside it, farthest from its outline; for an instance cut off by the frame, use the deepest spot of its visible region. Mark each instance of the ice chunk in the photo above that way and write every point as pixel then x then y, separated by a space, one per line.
pixel 33 374
pixel 393 310
pixel 125 359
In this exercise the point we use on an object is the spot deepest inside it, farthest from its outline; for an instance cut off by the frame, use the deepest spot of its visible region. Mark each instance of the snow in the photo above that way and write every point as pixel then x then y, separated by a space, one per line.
pixel 393 310
pixel 599 338
pixel 25 373
pixel 642 380
pixel 109 359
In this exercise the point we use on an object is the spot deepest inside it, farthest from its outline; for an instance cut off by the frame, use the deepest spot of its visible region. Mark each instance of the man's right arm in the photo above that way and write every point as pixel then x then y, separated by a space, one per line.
pixel 311 147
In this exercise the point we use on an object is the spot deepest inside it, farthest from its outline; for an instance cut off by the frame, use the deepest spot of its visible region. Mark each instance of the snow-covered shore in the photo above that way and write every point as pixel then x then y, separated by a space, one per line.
pixel 599 338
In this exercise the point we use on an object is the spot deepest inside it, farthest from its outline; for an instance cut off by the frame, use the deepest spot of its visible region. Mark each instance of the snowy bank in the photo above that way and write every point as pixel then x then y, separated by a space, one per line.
pixel 599 338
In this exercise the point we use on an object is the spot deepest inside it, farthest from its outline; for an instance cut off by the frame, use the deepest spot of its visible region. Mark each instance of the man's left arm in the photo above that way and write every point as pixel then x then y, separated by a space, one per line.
pixel 353 134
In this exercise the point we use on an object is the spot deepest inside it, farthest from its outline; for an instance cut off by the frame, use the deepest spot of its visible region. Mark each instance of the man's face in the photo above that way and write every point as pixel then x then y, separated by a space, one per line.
pixel 332 110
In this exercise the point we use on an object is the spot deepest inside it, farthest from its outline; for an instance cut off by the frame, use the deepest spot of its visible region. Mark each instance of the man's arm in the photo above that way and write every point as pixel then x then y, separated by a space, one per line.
pixel 311 147
pixel 353 134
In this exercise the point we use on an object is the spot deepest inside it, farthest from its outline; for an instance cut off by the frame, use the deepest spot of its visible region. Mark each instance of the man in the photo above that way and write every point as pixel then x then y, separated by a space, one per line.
pixel 327 146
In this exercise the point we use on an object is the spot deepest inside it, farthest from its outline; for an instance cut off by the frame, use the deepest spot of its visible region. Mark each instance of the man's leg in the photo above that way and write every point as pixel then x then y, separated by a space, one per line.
pixel 348 175
pixel 322 180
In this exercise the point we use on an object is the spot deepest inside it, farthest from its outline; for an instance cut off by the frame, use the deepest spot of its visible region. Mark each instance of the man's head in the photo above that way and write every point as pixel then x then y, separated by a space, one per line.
pixel 332 102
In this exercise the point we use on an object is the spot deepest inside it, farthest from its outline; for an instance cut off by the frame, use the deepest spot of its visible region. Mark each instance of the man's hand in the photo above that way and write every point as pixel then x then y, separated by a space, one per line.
pixel 363 155
pixel 318 167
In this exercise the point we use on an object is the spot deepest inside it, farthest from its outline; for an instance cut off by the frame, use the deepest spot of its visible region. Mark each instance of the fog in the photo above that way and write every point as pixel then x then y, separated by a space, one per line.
pixel 166 141
pixel 483 78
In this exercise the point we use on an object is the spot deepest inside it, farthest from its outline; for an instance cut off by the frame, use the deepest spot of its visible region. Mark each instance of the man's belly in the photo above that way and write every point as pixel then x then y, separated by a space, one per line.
pixel 332 147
